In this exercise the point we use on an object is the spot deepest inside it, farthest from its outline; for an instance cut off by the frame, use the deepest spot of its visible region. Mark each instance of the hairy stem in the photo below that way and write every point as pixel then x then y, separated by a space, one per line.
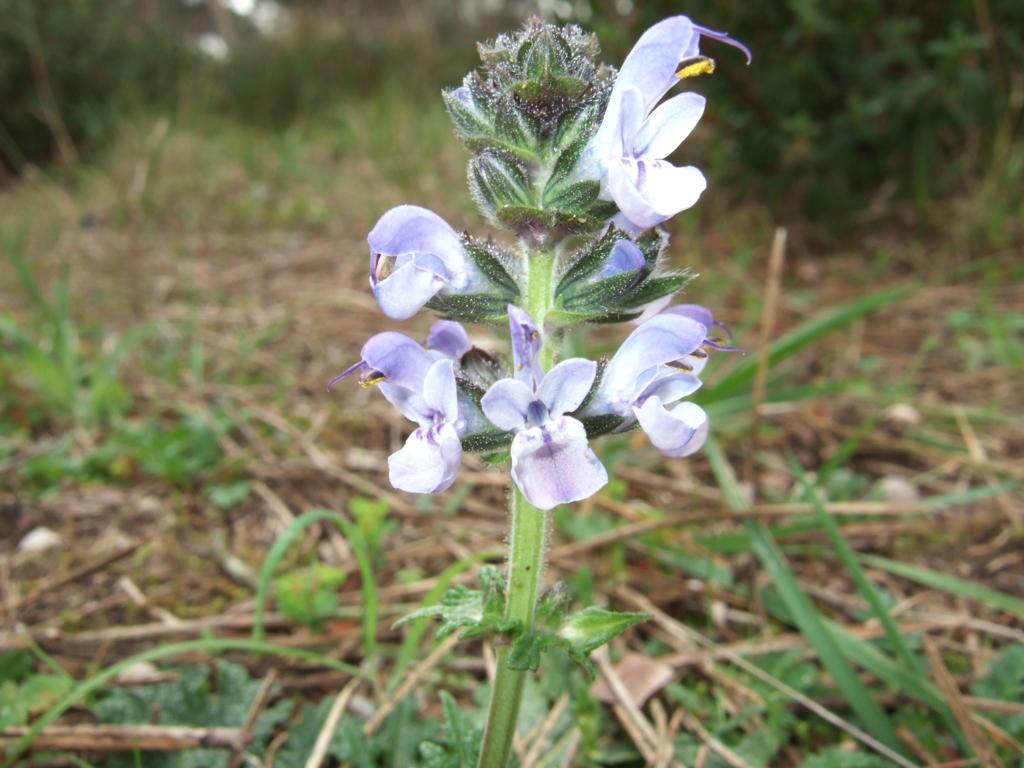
pixel 540 298
pixel 525 563
pixel 527 544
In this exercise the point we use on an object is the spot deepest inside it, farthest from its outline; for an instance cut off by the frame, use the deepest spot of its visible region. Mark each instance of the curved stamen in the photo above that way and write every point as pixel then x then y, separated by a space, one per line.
pixel 723 37
pixel 361 365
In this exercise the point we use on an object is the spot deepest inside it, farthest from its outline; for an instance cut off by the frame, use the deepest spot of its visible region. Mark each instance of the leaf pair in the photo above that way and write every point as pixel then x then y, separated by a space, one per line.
pixel 481 613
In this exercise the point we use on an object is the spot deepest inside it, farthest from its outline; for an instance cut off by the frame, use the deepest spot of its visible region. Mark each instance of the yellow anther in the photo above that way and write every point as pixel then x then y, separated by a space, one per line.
pixel 694 66
pixel 372 378
pixel 385 266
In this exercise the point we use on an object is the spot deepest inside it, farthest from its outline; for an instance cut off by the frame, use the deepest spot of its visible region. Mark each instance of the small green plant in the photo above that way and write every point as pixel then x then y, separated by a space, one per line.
pixel 196 698
pixel 309 596
pixel 50 364
pixel 182 452
pixel 371 516
pixel 25 692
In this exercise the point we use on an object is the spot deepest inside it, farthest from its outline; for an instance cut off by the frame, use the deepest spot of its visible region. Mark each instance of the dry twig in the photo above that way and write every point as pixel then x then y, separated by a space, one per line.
pixel 123 738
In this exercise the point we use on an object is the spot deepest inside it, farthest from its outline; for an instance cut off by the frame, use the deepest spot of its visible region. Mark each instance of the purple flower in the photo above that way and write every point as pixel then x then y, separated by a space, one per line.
pixel 552 463
pixel 421 384
pixel 414 255
pixel 627 154
pixel 430 459
pixel 646 380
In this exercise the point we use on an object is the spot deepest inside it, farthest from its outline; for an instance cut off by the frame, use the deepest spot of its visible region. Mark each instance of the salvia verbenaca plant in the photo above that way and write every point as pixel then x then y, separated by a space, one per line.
pixel 570 156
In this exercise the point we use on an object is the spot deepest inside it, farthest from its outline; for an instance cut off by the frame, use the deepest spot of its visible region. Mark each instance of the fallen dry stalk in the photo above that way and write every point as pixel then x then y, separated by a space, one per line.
pixel 122 738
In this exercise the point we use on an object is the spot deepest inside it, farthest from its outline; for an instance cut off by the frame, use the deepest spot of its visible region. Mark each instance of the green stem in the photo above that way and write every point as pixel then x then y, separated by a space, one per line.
pixel 525 563
pixel 540 298
pixel 527 544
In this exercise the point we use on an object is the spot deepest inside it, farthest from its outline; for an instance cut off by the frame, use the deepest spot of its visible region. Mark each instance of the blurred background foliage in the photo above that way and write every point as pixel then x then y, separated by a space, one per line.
pixel 850 108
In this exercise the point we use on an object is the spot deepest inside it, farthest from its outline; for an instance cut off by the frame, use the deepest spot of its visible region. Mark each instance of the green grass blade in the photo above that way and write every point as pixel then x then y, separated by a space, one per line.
pixel 15 247
pixel 847 449
pixel 742 375
pixel 972 590
pixel 849 560
pixel 909 674
pixel 208 645
pixel 813 628
pixel 725 476
pixel 909 680
pixel 801 608
pixel 371 603
pixel 970 495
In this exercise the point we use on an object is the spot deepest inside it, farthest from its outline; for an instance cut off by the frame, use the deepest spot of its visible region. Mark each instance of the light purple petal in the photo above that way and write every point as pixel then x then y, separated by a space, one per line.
pixel 667 126
pixel 662 339
pixel 409 403
pixel 695 312
pixel 632 112
pixel 553 464
pixel 622 189
pixel 449 338
pixel 704 316
pixel 566 385
pixel 671 387
pixel 471 418
pixel 405 290
pixel 411 229
pixel 526 342
pixel 649 192
pixel 670 189
pixel 440 392
pixel 651 66
pixel 414 253
pixel 507 402
pixel 620 221
pixel 625 257
pixel 676 432
pixel 401 360
pixel 429 462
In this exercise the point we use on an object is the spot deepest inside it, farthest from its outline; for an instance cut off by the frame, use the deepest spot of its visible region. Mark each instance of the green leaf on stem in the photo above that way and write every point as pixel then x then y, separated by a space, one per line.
pixel 477 612
pixel 497 263
pixel 589 629
pixel 578 635
pixel 486 442
pixel 528 648
pixel 471 308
